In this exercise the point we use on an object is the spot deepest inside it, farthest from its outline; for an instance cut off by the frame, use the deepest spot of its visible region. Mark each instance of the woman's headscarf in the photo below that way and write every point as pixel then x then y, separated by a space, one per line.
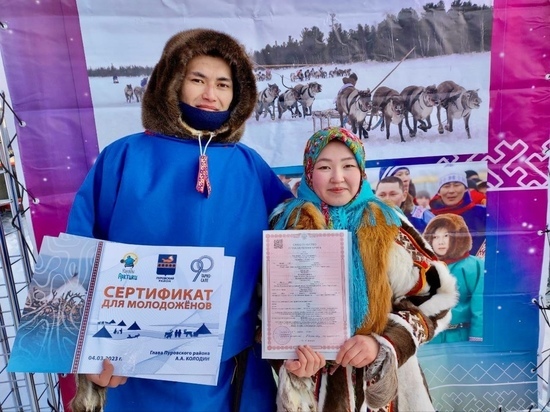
pixel 351 216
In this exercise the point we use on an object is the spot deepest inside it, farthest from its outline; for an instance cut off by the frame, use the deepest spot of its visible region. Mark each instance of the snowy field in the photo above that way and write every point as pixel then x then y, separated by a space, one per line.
pixel 281 141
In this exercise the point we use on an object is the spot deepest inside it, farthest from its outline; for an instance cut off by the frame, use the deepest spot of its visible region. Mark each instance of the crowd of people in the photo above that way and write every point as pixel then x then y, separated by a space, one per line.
pixel 417 267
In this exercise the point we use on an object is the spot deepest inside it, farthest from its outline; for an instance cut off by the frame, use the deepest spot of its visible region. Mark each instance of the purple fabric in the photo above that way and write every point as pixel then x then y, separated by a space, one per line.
pixel 46 71
pixel 45 67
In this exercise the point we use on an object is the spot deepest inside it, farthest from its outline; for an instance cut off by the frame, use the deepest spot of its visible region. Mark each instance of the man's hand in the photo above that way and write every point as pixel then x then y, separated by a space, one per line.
pixel 106 378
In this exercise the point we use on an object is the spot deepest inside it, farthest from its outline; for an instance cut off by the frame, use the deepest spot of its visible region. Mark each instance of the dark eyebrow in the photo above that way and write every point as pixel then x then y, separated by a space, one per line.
pixel 328 160
pixel 202 76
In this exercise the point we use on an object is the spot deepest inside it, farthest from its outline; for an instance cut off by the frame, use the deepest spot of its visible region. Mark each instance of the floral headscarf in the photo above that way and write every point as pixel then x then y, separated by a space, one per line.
pixel 321 139
pixel 351 216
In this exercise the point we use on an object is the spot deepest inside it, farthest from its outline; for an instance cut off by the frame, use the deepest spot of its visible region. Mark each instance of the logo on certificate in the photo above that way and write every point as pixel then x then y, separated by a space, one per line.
pixel 129 260
pixel 201 268
pixel 166 265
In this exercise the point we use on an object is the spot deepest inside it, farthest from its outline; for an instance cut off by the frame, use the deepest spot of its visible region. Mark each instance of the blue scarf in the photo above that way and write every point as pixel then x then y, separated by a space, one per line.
pixel 203 119
pixel 351 217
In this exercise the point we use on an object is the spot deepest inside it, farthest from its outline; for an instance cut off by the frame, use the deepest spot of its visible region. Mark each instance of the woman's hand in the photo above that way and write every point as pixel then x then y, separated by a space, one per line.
pixel 308 363
pixel 106 378
pixel 358 351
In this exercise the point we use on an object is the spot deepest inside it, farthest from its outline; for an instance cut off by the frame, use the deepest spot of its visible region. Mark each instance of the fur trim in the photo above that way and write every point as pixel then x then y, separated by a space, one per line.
pixel 447 294
pixel 295 394
pixel 460 239
pixel 308 217
pixel 89 397
pixel 413 393
pixel 374 254
pixel 381 380
pixel 160 111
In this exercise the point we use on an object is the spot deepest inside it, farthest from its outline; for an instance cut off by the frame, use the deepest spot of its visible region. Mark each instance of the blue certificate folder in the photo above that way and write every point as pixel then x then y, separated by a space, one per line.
pixel 47 336
pixel 151 310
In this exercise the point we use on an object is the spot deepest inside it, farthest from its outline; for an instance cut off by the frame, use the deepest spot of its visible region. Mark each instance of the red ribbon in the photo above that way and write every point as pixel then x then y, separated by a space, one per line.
pixel 202 179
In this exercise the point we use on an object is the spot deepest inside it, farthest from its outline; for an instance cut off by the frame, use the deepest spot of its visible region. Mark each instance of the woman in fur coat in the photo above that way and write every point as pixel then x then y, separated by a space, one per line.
pixel 400 294
pixel 452 242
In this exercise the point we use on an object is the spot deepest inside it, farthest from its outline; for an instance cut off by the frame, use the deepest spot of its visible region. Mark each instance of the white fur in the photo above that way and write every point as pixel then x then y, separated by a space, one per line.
pixel 446 293
pixel 412 394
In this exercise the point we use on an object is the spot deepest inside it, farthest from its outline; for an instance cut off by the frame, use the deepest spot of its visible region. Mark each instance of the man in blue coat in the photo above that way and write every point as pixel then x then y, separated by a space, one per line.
pixel 187 181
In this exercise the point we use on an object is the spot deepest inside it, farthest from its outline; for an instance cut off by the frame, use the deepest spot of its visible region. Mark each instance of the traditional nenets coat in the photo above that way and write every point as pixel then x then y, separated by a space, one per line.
pixel 400 294
pixel 184 182
pixel 467 315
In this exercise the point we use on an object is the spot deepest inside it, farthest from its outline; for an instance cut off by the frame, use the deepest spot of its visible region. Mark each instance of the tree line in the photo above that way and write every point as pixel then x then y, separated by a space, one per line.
pixel 464 28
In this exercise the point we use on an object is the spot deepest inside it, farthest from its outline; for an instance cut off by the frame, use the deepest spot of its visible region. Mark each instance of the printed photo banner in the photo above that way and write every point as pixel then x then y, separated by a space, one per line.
pixel 68 62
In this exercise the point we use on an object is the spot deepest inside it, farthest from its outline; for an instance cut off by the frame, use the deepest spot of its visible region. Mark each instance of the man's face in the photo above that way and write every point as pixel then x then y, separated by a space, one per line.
pixel 452 193
pixel 392 192
pixel 207 84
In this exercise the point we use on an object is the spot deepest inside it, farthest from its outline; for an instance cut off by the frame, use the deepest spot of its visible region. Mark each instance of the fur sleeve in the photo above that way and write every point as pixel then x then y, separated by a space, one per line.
pixel 424 292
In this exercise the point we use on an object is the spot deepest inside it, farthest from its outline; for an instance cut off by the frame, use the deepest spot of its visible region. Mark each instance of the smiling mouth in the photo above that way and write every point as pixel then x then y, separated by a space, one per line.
pixel 208 108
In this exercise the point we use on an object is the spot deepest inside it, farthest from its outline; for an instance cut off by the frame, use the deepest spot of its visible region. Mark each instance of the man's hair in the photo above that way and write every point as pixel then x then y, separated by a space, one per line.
pixel 391 179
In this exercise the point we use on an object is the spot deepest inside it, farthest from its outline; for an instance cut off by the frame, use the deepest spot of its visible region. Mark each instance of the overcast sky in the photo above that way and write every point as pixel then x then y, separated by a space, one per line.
pixel 135 31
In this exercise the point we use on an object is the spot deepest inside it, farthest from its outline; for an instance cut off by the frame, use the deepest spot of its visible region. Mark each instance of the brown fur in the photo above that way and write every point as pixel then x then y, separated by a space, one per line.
pixel 374 254
pixel 160 111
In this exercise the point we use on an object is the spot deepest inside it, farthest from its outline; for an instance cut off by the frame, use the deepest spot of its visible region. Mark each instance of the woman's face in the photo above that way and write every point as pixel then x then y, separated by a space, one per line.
pixel 405 177
pixel 336 175
pixel 440 241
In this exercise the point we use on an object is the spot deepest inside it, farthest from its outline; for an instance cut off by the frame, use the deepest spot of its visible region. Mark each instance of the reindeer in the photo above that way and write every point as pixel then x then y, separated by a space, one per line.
pixel 391 106
pixel 289 101
pixel 138 93
pixel 419 102
pixel 457 102
pixel 356 104
pixel 129 93
pixel 266 101
pixel 306 95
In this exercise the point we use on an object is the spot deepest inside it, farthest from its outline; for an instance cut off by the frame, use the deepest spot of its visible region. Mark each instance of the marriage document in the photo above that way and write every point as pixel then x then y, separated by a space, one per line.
pixel 305 292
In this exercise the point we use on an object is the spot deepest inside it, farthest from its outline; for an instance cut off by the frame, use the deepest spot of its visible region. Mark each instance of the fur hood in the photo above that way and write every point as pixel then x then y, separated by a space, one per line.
pixel 160 110
pixel 460 242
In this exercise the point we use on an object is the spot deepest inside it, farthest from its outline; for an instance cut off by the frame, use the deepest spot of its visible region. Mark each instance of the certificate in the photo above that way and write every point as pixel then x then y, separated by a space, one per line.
pixel 305 292
pixel 156 312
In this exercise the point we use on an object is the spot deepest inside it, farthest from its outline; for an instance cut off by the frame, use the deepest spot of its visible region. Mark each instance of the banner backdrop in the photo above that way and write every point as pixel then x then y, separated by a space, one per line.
pixel 68 63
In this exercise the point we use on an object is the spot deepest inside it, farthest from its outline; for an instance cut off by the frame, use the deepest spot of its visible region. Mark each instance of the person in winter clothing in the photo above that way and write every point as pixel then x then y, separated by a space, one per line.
pixel 404 174
pixel 423 199
pixel 391 188
pixel 454 197
pixel 400 294
pixel 351 80
pixel 451 241
pixel 180 183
